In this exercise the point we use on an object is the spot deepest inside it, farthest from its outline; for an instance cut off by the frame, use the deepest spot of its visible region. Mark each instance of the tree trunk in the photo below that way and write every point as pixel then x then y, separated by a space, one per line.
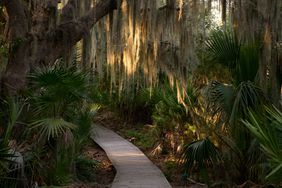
pixel 17 36
pixel 260 20
pixel 223 12
pixel 270 63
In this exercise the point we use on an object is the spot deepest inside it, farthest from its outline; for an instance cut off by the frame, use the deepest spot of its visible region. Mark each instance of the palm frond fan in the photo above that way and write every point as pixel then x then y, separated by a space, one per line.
pixel 200 153
pixel 52 127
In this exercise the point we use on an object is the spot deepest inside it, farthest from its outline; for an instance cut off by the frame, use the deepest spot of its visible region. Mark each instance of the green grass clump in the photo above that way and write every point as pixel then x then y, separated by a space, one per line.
pixel 141 138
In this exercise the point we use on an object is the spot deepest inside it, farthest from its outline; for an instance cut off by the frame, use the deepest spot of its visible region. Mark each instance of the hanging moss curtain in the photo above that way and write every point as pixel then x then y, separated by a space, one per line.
pixel 145 38
pixel 142 39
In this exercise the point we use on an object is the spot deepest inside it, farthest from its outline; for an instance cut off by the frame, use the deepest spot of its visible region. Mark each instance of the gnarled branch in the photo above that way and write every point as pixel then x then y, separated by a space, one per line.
pixel 69 33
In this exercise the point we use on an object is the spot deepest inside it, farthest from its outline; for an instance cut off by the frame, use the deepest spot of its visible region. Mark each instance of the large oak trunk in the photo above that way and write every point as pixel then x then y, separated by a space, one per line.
pixel 41 44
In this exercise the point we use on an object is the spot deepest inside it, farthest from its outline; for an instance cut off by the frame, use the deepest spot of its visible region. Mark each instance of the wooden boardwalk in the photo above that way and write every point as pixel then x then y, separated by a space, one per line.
pixel 134 169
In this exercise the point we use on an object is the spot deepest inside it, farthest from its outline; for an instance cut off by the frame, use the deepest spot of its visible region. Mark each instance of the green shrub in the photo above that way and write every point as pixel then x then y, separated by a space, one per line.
pixel 141 138
pixel 86 168
pixel 170 167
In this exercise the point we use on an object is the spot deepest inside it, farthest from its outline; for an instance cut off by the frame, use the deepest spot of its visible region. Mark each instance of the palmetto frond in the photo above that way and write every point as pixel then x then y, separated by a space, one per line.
pixel 52 77
pixel 224 48
pixel 13 108
pixel 234 102
pixel 58 87
pixel 52 127
pixel 268 130
pixel 276 117
pixel 220 97
pixel 201 152
pixel 247 96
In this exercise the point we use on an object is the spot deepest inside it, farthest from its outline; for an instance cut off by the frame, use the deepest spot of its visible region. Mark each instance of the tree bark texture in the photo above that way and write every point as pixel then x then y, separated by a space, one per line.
pixel 261 21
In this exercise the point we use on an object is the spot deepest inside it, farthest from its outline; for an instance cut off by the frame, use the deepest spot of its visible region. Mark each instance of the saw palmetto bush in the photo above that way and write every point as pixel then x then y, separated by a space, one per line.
pixel 135 104
pixel 267 128
pixel 58 89
pixel 158 106
pixel 61 119
pixel 223 47
pixel 170 117
pixel 59 93
pixel 233 102
pixel 86 167
pixel 83 120
pixel 230 102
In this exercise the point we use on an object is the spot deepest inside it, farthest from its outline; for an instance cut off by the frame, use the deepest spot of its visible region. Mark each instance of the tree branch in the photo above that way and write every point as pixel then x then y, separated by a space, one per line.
pixel 68 12
pixel 99 11
pixel 58 41
pixel 69 33
pixel 49 46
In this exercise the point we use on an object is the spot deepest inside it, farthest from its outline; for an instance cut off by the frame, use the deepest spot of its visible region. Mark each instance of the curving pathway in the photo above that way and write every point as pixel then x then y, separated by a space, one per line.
pixel 134 169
